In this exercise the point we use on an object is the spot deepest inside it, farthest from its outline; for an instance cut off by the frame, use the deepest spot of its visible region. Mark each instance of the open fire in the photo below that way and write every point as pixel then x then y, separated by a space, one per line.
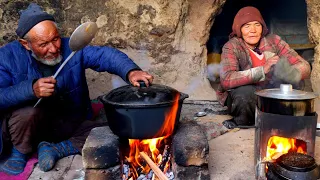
pixel 279 145
pixel 151 158
pixel 136 167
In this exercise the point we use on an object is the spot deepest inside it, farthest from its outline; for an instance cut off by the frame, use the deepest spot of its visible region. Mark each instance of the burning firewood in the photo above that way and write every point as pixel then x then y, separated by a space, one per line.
pixel 274 157
pixel 165 157
pixel 277 155
pixel 153 166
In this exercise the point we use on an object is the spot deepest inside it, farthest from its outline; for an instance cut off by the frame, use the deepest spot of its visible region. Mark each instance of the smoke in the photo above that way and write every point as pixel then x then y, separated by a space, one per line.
pixel 141 59
pixel 195 82
pixel 116 82
pixel 213 71
pixel 283 73
pixel 212 74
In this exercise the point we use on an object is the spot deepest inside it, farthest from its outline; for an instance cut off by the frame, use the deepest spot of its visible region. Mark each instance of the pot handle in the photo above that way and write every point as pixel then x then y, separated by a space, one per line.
pixel 183 96
pixel 143 84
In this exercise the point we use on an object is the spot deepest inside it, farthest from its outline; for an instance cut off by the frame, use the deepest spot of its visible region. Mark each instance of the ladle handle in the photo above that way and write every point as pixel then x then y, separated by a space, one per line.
pixel 58 71
pixel 64 63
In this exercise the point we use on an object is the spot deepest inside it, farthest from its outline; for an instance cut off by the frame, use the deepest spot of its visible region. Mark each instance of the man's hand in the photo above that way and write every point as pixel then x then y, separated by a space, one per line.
pixel 44 87
pixel 269 63
pixel 136 75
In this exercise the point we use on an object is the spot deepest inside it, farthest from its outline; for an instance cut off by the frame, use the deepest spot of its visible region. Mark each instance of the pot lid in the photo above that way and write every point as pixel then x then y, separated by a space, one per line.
pixel 286 92
pixel 130 95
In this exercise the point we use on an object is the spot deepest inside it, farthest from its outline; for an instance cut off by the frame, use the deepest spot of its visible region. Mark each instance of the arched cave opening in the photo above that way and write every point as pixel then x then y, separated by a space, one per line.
pixel 286 18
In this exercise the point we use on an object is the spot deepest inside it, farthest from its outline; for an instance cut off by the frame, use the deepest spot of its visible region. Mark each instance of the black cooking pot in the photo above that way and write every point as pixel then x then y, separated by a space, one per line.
pixel 286 101
pixel 293 166
pixel 140 112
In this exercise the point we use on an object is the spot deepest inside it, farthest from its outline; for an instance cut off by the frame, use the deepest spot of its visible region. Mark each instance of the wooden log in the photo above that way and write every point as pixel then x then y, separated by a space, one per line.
pixel 277 155
pixel 153 166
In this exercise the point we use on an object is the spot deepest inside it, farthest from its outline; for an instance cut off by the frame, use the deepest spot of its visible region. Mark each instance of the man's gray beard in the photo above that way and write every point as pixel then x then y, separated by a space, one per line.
pixel 48 62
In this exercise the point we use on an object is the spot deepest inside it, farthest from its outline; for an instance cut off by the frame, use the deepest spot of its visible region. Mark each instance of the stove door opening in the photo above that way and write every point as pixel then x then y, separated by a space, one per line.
pixel 278 146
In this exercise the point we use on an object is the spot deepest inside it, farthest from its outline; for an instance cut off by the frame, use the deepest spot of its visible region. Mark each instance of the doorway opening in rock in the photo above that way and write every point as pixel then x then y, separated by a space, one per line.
pixel 286 18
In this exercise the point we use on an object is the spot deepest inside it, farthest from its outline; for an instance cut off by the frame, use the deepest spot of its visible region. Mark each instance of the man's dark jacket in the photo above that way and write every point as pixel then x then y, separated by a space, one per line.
pixel 19 70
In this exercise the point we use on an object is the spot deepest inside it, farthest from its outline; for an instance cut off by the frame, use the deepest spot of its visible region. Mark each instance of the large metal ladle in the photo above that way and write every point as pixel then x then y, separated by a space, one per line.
pixel 80 38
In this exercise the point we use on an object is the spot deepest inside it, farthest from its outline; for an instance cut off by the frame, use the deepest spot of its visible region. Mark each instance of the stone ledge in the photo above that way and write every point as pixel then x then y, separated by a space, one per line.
pixel 191 172
pixel 101 149
pixel 112 173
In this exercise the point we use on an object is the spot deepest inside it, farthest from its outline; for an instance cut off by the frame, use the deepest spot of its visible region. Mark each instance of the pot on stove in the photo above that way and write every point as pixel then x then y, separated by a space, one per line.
pixel 293 166
pixel 140 112
pixel 286 101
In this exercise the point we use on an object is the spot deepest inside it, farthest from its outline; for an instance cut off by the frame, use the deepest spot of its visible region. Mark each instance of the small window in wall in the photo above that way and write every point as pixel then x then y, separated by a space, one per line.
pixel 286 18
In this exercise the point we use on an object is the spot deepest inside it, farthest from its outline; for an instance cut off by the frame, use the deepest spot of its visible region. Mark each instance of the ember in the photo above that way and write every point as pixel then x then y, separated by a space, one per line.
pixel 280 145
pixel 136 167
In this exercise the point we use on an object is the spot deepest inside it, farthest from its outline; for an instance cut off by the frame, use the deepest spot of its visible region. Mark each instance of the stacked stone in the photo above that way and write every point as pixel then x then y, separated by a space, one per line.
pixel 190 149
pixel 190 152
pixel 101 156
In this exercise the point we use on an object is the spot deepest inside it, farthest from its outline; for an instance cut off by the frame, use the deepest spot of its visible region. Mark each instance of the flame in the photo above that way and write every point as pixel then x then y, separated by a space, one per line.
pixel 150 146
pixel 169 123
pixel 280 145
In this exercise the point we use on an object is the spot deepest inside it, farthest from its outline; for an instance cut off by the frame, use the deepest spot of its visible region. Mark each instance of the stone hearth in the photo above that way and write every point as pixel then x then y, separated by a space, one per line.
pixel 101 154
pixel 101 158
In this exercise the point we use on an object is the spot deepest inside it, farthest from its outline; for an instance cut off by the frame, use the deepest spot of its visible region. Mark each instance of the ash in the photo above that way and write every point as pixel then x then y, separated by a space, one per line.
pixel 149 176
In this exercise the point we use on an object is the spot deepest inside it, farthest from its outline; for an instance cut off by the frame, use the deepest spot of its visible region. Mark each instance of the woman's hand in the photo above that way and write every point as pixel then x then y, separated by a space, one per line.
pixel 269 63
pixel 286 72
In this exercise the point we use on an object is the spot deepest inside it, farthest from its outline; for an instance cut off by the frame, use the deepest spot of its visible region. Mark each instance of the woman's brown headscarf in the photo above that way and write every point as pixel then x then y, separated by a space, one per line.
pixel 245 15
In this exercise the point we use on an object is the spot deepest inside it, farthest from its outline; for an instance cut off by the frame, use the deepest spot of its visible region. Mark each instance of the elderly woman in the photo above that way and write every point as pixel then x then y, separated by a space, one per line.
pixel 253 59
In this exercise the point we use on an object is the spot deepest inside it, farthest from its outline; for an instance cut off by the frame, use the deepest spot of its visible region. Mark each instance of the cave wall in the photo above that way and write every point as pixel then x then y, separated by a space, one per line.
pixel 314 35
pixel 166 38
pixel 9 15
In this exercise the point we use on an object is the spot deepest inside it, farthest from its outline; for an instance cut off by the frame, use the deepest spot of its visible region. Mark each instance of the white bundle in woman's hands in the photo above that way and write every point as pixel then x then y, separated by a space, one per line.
pixel 284 71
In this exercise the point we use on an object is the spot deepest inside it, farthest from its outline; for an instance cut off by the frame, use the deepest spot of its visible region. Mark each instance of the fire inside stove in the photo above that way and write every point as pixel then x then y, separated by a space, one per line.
pixel 150 159
pixel 280 145
pixel 145 160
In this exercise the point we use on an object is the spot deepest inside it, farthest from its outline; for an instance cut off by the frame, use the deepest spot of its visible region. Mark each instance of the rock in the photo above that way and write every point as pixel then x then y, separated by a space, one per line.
pixel 1 12
pixel 190 173
pixel 190 145
pixel 101 21
pixel 112 173
pixel 315 74
pixel 101 149
pixel 171 33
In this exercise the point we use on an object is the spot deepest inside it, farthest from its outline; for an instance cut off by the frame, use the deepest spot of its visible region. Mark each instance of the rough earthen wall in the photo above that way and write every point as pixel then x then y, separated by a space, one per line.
pixel 167 38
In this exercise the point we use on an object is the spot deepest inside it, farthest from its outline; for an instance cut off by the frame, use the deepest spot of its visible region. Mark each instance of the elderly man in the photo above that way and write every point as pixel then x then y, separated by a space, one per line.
pixel 59 125
pixel 251 60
